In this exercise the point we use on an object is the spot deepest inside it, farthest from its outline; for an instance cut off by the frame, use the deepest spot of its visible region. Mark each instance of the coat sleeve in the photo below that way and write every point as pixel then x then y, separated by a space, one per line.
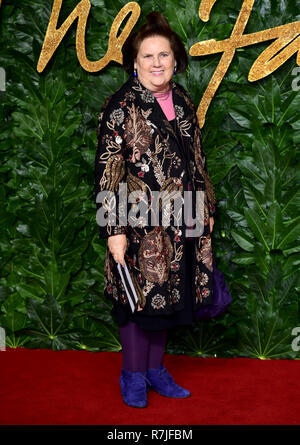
pixel 212 202
pixel 200 158
pixel 110 171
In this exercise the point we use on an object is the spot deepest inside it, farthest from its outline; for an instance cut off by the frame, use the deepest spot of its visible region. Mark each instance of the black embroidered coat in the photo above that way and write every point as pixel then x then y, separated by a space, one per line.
pixel 138 147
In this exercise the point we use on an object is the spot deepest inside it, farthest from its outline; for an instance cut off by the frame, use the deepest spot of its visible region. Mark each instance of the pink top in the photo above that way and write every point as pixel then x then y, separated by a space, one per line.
pixel 165 100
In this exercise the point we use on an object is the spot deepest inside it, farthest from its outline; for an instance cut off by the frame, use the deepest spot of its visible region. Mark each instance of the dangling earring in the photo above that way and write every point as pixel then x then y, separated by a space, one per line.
pixel 175 70
pixel 135 73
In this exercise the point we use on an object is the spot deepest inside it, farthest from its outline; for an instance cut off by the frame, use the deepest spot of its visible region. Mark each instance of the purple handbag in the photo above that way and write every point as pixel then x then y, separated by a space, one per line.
pixel 221 297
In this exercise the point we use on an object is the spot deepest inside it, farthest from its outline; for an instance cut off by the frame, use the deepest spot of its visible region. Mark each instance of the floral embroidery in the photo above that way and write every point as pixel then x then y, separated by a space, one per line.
pixel 179 111
pixel 205 292
pixel 158 301
pixel 129 96
pixel 175 280
pixel 147 96
pixel 184 127
pixel 109 286
pixel 115 292
pixel 114 172
pixel 198 295
pixel 137 133
pixel 203 279
pixel 117 116
pixel 175 295
pixel 206 252
pixel 147 288
pixel 206 214
pixel 135 184
pixel 143 165
pixel 155 255
pixel 177 235
pixel 176 162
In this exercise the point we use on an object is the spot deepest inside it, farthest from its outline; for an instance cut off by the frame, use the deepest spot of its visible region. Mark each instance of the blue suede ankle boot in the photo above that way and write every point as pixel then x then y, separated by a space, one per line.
pixel 134 388
pixel 162 382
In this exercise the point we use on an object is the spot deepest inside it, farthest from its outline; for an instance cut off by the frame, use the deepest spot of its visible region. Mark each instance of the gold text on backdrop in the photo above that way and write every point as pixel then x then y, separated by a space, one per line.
pixel 286 44
pixel 54 36
pixel 271 58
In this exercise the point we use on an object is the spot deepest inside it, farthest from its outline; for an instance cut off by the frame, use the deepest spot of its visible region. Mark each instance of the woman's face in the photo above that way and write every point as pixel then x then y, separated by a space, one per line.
pixel 155 63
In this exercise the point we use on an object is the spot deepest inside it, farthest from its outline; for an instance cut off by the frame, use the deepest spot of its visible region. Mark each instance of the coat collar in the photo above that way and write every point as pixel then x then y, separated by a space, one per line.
pixel 148 102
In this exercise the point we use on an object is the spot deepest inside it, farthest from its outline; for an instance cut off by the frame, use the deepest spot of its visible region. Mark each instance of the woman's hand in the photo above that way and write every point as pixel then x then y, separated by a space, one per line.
pixel 211 223
pixel 117 245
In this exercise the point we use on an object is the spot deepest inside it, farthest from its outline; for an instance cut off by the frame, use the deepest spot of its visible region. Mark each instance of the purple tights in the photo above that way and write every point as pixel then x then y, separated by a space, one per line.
pixel 141 349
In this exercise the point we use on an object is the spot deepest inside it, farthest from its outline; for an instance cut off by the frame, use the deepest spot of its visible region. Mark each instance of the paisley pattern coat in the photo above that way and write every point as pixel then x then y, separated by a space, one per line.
pixel 137 146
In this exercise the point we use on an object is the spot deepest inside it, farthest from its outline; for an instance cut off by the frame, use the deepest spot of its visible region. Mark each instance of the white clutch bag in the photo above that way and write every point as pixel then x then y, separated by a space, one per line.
pixel 128 285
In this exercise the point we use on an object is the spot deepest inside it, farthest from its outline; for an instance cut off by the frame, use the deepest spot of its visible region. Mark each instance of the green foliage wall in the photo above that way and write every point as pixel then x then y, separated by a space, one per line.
pixel 51 257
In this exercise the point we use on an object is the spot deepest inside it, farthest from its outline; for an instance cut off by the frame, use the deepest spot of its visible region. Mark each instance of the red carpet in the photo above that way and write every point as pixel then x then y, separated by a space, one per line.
pixel 45 387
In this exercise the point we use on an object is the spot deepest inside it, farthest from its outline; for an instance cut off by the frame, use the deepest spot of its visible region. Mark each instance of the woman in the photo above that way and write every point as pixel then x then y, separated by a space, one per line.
pixel 149 140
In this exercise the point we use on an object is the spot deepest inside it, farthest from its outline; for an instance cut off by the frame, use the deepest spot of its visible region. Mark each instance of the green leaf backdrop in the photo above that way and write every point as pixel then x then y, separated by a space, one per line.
pixel 51 290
